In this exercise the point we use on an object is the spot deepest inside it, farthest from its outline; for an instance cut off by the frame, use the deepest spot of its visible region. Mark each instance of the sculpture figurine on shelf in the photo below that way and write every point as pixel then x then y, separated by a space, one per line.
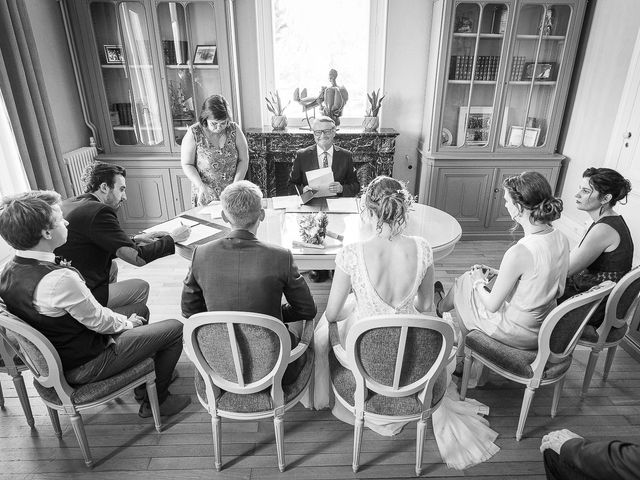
pixel 313 228
pixel 331 99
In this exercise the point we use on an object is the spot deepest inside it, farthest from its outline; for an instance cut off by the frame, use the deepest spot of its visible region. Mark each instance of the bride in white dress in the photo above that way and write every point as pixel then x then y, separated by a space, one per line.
pixel 390 273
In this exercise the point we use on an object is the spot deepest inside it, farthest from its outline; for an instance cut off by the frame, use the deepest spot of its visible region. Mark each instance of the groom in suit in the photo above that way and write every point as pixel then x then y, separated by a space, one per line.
pixel 241 273
pixel 325 154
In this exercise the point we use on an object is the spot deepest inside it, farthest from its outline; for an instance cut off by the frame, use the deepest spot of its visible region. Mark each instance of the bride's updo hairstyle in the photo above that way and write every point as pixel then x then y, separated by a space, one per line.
pixel 389 200
pixel 531 191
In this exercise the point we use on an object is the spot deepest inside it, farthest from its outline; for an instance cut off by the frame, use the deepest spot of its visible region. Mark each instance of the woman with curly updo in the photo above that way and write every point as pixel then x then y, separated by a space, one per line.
pixel 392 273
pixel 606 250
pixel 532 272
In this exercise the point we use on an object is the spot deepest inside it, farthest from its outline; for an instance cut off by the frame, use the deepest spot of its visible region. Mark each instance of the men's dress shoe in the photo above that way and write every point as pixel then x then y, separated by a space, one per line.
pixel 171 405
pixel 438 290
pixel 140 392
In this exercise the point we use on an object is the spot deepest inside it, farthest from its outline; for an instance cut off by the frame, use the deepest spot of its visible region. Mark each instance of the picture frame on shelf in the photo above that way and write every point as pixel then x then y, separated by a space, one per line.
pixel 113 54
pixel 474 125
pixel 463 25
pixel 527 137
pixel 205 55
pixel 543 71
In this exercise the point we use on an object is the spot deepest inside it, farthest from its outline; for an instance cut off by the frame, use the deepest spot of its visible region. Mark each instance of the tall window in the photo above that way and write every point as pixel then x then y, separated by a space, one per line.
pixel 304 39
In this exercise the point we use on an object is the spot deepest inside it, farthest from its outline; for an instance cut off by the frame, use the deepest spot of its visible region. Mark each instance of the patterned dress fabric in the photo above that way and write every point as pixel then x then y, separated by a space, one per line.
pixel 216 166
pixel 464 438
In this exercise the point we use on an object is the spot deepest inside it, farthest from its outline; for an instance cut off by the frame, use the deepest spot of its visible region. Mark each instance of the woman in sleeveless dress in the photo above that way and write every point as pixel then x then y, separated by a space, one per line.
pixel 606 249
pixel 214 152
pixel 391 273
pixel 532 272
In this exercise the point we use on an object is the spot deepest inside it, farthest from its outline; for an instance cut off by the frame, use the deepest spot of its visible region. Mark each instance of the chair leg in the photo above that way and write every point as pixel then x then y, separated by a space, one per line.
pixel 152 393
pixel 18 382
pixel 55 422
pixel 278 427
pixel 357 440
pixel 524 411
pixel 217 441
pixel 611 353
pixel 465 374
pixel 557 391
pixel 421 430
pixel 81 435
pixel 588 374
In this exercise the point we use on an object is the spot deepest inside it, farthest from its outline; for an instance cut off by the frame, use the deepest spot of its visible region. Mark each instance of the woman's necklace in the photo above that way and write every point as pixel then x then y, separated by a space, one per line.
pixel 542 231
pixel 215 139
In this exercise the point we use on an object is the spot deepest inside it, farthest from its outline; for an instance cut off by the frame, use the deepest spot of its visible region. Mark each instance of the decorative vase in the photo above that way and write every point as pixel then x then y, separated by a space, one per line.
pixel 279 122
pixel 370 124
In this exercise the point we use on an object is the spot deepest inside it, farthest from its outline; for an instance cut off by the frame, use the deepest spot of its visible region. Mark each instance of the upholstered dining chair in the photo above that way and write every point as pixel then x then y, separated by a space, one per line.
pixel 620 309
pixel 37 352
pixel 392 368
pixel 11 364
pixel 241 361
pixel 548 364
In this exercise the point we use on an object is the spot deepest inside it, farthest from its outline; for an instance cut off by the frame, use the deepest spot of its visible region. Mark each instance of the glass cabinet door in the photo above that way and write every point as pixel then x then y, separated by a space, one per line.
pixel 531 82
pixel 471 93
pixel 190 55
pixel 122 40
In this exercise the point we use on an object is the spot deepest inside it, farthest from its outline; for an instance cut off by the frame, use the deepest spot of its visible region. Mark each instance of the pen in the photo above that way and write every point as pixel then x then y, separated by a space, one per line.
pixel 335 235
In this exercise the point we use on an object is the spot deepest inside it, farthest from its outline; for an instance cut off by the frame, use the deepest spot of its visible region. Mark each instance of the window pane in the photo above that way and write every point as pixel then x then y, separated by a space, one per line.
pixel 335 35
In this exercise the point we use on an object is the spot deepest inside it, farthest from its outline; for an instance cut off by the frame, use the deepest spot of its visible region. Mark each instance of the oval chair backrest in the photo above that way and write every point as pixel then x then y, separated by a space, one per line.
pixel 241 352
pixel 398 355
pixel 563 326
pixel 37 352
pixel 624 298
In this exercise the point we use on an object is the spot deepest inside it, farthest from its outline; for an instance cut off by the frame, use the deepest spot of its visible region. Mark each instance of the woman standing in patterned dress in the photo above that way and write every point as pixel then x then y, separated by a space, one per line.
pixel 214 152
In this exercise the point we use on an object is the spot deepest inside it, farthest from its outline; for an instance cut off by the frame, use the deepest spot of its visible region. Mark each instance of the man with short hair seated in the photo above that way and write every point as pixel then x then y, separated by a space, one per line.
pixel 241 273
pixel 93 342
pixel 96 238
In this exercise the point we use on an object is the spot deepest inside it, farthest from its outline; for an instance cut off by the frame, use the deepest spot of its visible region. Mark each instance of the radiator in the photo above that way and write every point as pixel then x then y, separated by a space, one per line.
pixel 76 162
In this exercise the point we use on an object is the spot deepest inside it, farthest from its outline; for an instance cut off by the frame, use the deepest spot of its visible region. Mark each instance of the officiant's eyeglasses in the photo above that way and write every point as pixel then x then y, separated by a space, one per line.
pixel 327 132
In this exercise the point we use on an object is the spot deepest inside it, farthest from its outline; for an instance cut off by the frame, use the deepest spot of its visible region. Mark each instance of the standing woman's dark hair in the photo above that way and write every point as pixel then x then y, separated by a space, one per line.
pixel 608 182
pixel 531 190
pixel 214 107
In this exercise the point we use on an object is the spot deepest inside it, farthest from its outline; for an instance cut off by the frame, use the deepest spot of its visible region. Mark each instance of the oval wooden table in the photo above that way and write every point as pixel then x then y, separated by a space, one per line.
pixel 280 227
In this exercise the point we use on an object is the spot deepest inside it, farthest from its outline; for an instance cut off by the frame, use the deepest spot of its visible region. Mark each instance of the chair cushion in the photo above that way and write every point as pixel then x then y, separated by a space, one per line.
pixel 345 384
pixel 259 401
pixel 511 359
pixel 92 392
pixel 590 334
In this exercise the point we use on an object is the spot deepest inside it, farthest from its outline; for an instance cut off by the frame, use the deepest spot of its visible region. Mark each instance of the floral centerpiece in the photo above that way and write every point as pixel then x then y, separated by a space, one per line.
pixel 313 227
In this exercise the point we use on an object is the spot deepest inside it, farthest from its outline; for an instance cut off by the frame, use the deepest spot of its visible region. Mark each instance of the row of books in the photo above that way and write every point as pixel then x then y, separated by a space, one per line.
pixel 169 52
pixel 462 67
pixel 123 111
pixel 517 68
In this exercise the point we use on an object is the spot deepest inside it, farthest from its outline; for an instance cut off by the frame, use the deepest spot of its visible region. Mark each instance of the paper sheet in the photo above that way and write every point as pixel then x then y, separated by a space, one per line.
pixel 199 232
pixel 171 225
pixel 289 201
pixel 215 210
pixel 342 205
pixel 319 180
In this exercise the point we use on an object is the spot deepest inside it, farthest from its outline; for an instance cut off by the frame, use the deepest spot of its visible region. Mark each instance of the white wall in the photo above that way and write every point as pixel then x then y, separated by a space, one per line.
pixel 597 98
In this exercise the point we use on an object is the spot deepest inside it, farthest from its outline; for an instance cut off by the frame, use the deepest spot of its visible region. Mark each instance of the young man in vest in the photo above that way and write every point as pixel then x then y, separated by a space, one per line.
pixel 93 342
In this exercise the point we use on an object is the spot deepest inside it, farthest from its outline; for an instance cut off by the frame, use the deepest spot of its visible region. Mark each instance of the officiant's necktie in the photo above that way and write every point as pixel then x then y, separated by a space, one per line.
pixel 325 160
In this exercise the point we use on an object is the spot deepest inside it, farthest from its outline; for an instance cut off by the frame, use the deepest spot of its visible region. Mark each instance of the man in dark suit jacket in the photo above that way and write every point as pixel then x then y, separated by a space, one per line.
pixel 568 456
pixel 96 238
pixel 325 154
pixel 241 273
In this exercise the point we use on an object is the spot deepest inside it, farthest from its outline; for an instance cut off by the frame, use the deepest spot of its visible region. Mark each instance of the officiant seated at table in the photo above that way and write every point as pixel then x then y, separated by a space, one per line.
pixel 324 154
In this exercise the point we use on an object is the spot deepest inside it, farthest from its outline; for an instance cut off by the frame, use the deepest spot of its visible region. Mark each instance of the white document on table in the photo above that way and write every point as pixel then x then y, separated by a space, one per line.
pixel 342 205
pixel 198 232
pixel 215 210
pixel 286 202
pixel 171 225
pixel 319 181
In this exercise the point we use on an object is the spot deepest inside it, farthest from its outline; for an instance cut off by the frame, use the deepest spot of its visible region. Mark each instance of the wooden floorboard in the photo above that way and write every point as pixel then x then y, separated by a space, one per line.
pixel 317 445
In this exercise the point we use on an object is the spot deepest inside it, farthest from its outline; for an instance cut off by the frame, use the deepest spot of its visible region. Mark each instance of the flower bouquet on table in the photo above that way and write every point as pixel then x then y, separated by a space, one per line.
pixel 313 228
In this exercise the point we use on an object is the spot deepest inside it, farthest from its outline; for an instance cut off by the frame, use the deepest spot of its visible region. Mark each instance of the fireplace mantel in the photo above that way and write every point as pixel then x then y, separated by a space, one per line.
pixel 271 154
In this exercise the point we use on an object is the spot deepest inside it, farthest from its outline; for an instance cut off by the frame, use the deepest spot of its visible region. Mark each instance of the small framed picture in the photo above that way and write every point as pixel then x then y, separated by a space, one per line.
pixel 527 137
pixel 543 71
pixel 205 55
pixel 113 54
pixel 474 125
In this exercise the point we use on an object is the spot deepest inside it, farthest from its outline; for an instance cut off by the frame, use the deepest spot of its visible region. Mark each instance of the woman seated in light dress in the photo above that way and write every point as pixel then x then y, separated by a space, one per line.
pixel 532 272
pixel 606 249
pixel 391 273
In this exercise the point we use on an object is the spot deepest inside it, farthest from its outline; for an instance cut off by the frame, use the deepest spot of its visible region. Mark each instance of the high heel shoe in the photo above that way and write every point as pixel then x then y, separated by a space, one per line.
pixel 438 289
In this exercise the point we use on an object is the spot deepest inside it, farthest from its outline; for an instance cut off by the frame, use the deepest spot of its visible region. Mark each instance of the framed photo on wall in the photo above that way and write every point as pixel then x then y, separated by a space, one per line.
pixel 205 55
pixel 474 125
pixel 113 54
pixel 526 137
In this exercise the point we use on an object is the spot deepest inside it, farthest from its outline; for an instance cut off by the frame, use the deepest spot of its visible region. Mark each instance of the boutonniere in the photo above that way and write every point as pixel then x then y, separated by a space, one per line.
pixel 63 262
